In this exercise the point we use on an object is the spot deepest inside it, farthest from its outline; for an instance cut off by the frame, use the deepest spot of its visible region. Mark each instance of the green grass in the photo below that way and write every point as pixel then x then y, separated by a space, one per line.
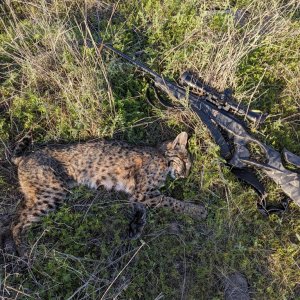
pixel 57 86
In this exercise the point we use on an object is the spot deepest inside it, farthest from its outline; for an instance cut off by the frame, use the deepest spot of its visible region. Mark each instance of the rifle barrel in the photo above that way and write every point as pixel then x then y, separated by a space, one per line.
pixel 134 62
pixel 164 84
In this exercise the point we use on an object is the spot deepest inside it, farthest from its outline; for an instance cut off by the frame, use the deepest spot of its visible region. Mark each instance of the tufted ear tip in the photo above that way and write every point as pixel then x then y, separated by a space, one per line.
pixel 180 140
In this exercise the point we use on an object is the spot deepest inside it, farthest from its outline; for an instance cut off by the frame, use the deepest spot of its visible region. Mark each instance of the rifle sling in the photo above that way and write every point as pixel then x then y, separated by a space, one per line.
pixel 219 139
pixel 248 176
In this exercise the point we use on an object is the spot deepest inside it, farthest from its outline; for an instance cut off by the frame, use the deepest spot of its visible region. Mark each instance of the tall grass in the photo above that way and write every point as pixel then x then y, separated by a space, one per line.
pixel 56 85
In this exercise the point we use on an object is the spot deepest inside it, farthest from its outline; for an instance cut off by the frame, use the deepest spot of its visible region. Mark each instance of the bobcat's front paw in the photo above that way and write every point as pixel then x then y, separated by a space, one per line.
pixel 7 244
pixel 196 211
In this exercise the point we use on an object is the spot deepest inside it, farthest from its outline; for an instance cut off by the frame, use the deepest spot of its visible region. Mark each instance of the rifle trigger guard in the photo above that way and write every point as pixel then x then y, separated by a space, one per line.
pixel 160 99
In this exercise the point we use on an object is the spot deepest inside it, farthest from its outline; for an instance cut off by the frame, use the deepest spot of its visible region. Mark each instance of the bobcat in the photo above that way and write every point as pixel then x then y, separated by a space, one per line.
pixel 46 175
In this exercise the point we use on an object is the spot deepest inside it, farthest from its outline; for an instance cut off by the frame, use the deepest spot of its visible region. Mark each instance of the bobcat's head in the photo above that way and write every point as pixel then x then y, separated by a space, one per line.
pixel 179 160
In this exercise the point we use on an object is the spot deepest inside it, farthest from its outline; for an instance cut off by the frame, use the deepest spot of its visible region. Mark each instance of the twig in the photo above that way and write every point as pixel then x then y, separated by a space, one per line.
pixel 18 291
pixel 134 255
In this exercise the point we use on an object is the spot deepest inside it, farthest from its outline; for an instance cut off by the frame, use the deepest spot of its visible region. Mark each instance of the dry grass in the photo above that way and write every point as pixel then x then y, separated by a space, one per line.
pixel 56 85
pixel 45 49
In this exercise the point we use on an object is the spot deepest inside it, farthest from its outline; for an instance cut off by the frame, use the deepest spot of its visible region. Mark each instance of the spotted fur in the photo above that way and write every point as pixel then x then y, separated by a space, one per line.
pixel 46 176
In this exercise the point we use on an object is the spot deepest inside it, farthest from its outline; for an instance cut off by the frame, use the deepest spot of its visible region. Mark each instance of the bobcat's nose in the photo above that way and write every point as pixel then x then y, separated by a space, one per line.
pixel 180 176
pixel 177 175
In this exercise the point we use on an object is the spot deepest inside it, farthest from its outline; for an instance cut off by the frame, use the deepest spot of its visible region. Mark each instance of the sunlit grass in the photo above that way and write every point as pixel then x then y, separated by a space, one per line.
pixel 58 87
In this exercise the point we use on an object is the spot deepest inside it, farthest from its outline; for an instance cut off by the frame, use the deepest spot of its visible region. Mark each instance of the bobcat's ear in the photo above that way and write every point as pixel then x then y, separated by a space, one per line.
pixel 180 141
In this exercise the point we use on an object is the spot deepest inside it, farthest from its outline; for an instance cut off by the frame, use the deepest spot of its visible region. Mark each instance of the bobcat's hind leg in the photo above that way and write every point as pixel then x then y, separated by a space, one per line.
pixel 7 245
pixel 41 195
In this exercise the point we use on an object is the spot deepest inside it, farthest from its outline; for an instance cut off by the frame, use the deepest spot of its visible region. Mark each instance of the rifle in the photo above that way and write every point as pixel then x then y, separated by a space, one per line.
pixel 218 112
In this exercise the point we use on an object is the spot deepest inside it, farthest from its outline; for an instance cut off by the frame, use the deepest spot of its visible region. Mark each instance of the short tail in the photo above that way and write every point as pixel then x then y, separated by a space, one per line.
pixel 21 146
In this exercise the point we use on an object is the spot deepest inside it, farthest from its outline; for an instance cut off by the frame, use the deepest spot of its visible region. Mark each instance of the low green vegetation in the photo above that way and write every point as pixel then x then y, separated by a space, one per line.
pixel 57 86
